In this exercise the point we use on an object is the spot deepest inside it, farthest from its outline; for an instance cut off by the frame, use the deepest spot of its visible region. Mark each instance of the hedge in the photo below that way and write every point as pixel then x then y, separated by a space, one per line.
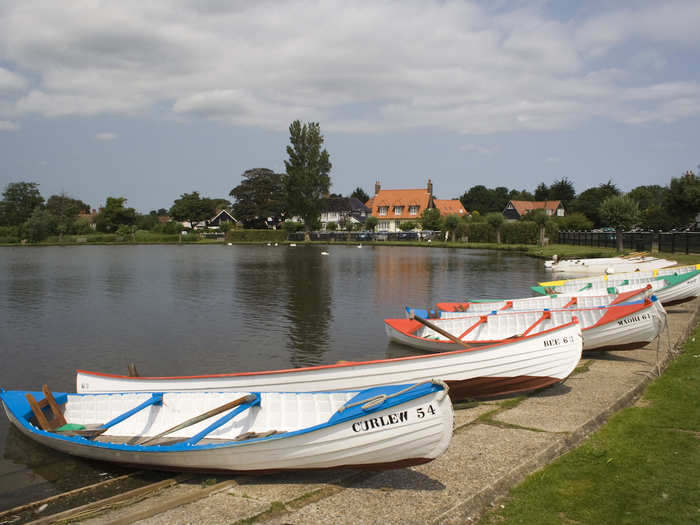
pixel 256 236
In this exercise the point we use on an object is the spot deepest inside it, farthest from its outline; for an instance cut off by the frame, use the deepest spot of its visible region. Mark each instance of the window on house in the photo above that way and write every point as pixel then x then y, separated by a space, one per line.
pixel 560 212
pixel 413 210
pixel 383 210
pixel 549 212
pixel 383 225
pixel 398 210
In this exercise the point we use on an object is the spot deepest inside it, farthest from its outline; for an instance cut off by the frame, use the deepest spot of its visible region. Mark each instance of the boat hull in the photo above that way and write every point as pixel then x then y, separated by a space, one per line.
pixel 522 365
pixel 624 326
pixel 413 432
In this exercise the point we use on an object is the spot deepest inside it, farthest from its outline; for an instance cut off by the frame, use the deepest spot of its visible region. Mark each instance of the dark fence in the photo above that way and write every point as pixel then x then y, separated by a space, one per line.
pixel 670 242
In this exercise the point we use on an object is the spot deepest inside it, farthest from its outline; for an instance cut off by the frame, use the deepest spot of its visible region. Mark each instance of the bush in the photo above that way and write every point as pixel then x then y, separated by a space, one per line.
pixel 291 226
pixel 523 232
pixel 331 226
pixel 9 234
pixel 481 232
pixel 256 235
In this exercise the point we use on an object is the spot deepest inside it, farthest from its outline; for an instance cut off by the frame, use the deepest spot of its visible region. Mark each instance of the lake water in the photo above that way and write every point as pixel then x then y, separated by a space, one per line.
pixel 175 310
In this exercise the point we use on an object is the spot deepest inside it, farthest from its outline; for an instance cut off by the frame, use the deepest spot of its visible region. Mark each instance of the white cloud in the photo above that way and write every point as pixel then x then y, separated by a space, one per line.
pixel 552 160
pixel 444 64
pixel 476 148
pixel 6 125
pixel 106 136
pixel 10 81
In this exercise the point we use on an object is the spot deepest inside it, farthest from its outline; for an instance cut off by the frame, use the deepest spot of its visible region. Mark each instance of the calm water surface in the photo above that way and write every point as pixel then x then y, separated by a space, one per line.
pixel 176 310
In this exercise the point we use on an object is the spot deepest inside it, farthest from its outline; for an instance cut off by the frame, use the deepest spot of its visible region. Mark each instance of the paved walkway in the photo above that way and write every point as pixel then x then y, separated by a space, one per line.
pixel 495 445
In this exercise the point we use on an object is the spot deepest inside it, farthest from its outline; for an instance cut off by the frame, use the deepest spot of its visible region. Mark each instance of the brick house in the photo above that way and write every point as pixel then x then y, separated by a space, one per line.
pixel 393 207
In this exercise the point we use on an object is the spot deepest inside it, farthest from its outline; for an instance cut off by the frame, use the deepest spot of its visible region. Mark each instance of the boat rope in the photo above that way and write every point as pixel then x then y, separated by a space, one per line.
pixel 375 401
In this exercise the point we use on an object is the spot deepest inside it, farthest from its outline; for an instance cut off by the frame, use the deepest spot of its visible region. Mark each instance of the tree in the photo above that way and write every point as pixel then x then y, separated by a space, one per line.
pixel 360 195
pixel 408 226
pixel 307 179
pixel 522 195
pixel 431 220
pixel 192 208
pixel 590 200
pixel 562 190
pixel 19 201
pixel 574 221
pixel 621 213
pixel 371 223
pixel 40 225
pixel 114 214
pixel 648 196
pixel 451 222
pixel 496 220
pixel 540 218
pixel 485 200
pixel 258 196
pixel 331 226
pixel 684 199
pixel 542 192
pixel 65 209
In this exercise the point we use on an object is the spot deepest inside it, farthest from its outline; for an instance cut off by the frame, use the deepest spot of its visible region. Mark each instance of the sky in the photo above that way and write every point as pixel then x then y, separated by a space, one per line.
pixel 150 100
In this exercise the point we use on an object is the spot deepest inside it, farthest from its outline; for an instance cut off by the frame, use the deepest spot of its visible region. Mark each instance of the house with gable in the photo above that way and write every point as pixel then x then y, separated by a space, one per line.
pixel 393 207
pixel 343 210
pixel 515 210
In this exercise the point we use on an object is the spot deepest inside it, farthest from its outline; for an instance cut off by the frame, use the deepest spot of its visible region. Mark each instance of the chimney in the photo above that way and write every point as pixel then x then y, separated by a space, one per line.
pixel 377 187
pixel 430 188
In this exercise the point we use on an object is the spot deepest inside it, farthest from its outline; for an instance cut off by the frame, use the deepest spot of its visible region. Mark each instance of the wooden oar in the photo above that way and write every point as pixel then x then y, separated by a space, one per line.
pixel 439 330
pixel 223 408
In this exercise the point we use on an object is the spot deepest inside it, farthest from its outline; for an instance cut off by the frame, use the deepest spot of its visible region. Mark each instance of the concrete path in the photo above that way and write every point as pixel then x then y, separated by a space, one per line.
pixel 495 445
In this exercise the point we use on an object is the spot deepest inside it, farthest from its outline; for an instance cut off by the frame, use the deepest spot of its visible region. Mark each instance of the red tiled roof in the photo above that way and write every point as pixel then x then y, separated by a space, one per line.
pixel 450 207
pixel 402 198
pixel 522 207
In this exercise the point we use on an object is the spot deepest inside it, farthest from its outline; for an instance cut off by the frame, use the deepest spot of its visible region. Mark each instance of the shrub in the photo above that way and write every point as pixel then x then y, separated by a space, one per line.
pixel 256 236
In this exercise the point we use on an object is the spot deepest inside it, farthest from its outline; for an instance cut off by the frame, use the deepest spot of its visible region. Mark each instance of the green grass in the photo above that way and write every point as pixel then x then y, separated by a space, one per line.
pixel 641 467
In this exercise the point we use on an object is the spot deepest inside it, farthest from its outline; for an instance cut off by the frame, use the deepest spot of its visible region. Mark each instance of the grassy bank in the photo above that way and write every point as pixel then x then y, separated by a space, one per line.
pixel 641 467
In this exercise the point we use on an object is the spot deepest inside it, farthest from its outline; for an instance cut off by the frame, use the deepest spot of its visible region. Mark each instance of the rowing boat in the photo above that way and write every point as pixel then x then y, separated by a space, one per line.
pixel 618 327
pixel 676 270
pixel 669 289
pixel 447 310
pixel 607 265
pixel 526 363
pixel 385 427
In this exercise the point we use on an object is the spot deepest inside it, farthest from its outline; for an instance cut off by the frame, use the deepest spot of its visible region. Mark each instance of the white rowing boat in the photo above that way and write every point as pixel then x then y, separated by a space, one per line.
pixel 447 310
pixel 607 265
pixel 384 427
pixel 676 270
pixel 669 289
pixel 618 327
pixel 529 362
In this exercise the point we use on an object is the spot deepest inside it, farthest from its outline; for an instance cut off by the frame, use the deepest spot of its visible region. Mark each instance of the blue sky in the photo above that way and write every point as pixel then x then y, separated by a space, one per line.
pixel 149 100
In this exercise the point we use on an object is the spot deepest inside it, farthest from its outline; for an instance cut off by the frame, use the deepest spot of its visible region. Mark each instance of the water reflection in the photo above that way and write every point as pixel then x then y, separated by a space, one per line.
pixel 308 304
pixel 44 472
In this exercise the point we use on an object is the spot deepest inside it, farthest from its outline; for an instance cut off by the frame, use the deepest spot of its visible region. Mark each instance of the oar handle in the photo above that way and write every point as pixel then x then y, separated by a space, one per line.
pixel 439 330
pixel 223 408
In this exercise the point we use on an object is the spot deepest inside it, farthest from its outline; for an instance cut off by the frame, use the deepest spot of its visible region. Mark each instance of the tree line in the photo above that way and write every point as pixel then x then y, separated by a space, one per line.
pixel 264 199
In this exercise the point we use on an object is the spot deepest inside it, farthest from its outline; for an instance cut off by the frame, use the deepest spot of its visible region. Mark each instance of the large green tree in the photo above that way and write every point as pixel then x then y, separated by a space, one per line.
pixel 431 219
pixel 192 208
pixel 562 190
pixel 258 196
pixel 308 173
pixel 589 201
pixel 114 215
pixel 621 213
pixel 684 198
pixel 542 192
pixel 19 201
pixel 485 200
pixel 65 210
pixel 360 195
